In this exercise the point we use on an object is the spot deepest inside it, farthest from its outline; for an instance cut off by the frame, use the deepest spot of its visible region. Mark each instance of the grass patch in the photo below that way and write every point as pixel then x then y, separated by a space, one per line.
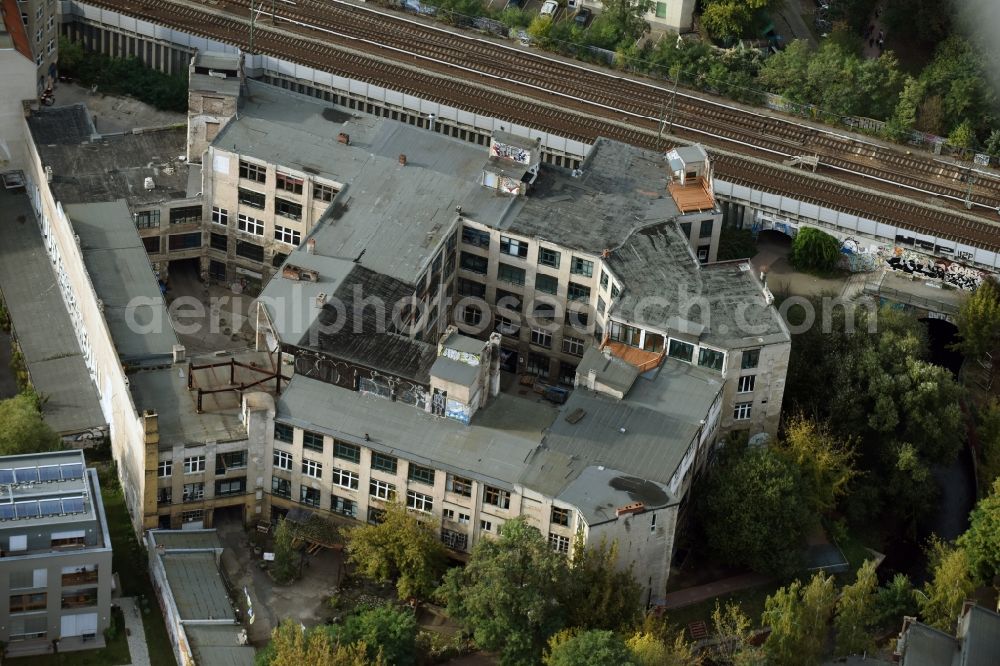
pixel 130 562
pixel 751 600
pixel 114 654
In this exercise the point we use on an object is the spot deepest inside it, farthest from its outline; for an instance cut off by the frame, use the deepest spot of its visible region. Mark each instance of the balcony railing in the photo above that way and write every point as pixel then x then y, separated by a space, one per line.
pixel 79 578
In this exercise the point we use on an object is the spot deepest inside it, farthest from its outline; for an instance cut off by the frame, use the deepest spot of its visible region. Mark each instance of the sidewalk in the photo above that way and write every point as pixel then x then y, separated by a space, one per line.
pixel 136 633
pixel 694 595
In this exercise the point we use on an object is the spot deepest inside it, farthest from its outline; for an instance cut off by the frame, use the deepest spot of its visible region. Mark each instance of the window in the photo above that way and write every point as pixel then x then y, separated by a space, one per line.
pixel 164 495
pixel 513 247
pixel 710 358
pixel 283 432
pixel 745 384
pixel 283 460
pixel 376 515
pixel 421 474
pixel 471 288
pixel 312 468
pixel 18 542
pixel 250 251
pixel 559 543
pixel 309 496
pixel 686 230
pixel 541 337
pixel 26 602
pixel 419 501
pixel 185 215
pixel 224 462
pixel 220 216
pixel 250 225
pixel 230 486
pixel 486 525
pixel 194 464
pixel 152 244
pixel 464 518
pixel 33 578
pixel 147 219
pixel 706 229
pixel 216 270
pixel 281 487
pixel 578 319
pixel 254 172
pixel 615 290
pixel 312 441
pixel 497 497
pixel 284 181
pixel 574 346
pixel 742 410
pixel 286 235
pixel 624 333
pixel 251 198
pixel 703 253
pixel 475 237
pixel 344 506
pixel 193 516
pixel 218 241
pixel 184 241
pixel 750 359
pixel 448 514
pixel 680 350
pixel 567 374
pixel 474 263
pixel 382 490
pixel 384 463
pixel 194 491
pixel 472 315
pixel 546 283
pixel 601 305
pixel 578 292
pixel 79 598
pixel 538 364
pixel 346 451
pixel 582 267
pixel 345 478
pixel 323 192
pixel 459 485
pixel 289 209
pixel 165 468
pixel 560 516
pixel 548 257
pixel 604 279
pixel 512 274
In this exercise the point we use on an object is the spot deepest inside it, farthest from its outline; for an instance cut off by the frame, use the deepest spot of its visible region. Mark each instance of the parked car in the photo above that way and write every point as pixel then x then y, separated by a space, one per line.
pixel 582 17
pixel 549 8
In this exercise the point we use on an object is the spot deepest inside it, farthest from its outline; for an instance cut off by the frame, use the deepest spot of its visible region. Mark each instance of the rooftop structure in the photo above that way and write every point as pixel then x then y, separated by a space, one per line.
pixel 976 643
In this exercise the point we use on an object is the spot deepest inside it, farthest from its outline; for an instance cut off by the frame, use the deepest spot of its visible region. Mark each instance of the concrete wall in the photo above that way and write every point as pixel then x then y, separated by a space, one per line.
pixel 18 76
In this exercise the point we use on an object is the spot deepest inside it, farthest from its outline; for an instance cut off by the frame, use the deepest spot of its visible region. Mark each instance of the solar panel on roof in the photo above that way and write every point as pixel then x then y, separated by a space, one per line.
pixel 26 474
pixel 72 471
pixel 7 512
pixel 49 473
pixel 50 507
pixel 6 476
pixel 72 505
pixel 27 509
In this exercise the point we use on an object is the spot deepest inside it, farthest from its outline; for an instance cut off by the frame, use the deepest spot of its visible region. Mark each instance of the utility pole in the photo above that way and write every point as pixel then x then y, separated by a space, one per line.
pixel 968 192
pixel 673 101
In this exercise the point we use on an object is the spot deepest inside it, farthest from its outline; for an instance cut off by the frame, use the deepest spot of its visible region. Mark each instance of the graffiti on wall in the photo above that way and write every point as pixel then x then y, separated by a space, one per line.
pixel 909 262
pixel 507 152
pixel 858 258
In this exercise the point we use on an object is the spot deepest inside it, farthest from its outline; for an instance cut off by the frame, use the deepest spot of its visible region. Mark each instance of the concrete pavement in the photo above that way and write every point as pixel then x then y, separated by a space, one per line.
pixel 136 632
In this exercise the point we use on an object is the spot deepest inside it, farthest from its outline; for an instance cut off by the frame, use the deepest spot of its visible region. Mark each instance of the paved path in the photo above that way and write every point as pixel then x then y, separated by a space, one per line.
pixel 136 633
pixel 693 595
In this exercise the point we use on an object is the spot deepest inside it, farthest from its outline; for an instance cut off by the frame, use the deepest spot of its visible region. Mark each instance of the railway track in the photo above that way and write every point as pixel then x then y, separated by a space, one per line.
pixel 479 93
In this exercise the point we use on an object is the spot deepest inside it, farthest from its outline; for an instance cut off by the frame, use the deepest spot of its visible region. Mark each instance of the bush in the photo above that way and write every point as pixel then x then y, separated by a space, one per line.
pixel 815 251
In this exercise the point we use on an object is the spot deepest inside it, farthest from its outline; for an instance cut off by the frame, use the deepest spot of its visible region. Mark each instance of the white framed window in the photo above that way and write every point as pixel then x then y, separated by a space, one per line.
pixel 50 47
pixel 312 468
pixel 448 514
pixel 283 460
pixel 165 468
pixel 742 410
pixel 559 543
pixel 286 235
pixel 345 478
pixel 419 501
pixel 464 518
pixel 574 346
pixel 194 464
pixel 485 525
pixel 745 385
pixel 541 337
pixel 382 490
pixel 194 491
pixel 497 497
pixel 250 225
pixel 220 216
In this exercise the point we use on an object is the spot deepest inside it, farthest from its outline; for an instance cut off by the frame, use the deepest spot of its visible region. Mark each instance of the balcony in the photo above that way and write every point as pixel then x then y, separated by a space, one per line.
pixel 79 578
pixel 80 599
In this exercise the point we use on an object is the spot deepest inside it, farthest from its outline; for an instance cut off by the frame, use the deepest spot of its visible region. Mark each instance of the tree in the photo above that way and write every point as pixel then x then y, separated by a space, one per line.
pixel 727 20
pixel 286 558
pixel 815 251
pixel 386 630
pixel 627 17
pixel 981 542
pixel 798 617
pixel 949 587
pixel 588 648
pixel 979 320
pixel 992 142
pixel 291 645
pixel 22 429
pixel 988 432
pixel 826 462
pixel 894 600
pixel 733 632
pixel 648 649
pixel 401 548
pixel 599 594
pixel 767 533
pixel 857 613
pixel 508 593
pixel 962 135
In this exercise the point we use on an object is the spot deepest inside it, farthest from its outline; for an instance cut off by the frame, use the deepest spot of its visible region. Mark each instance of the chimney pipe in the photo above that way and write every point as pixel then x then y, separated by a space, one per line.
pixel 402 160
pixel 344 139
pixel 311 246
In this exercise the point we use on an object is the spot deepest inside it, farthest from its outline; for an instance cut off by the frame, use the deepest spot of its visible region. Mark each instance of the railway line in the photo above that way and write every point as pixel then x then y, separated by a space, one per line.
pixel 490 92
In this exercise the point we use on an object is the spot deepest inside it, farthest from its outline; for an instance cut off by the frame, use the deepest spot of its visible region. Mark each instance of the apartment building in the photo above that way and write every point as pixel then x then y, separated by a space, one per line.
pixel 55 562
pixel 41 20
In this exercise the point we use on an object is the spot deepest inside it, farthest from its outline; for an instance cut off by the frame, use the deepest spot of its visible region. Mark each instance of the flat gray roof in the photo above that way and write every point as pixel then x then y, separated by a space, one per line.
pixel 47 488
pixel 217 60
pixel 119 268
pixel 982 639
pixel 927 646
pixel 453 371
pixel 598 492
pixel 186 539
pixel 196 585
pixel 609 370
pixel 218 645
pixel 214 84
pixel 41 322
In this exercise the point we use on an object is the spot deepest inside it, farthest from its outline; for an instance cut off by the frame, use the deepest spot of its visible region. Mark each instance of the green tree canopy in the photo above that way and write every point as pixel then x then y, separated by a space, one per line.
pixel 401 548
pixel 588 648
pixel 386 630
pixel 291 645
pixel 979 320
pixel 508 593
pixel 815 251
pixel 981 542
pixel 599 593
pixel 22 429
pixel 648 649
pixel 798 616
pixel 826 462
pixel 733 631
pixel 988 432
pixel 857 612
pixel 951 583
pixel 627 18
pixel 286 558
pixel 894 600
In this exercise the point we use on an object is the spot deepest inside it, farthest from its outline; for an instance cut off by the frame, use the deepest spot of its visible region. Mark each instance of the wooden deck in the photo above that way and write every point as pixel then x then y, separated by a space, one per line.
pixel 693 197
pixel 643 360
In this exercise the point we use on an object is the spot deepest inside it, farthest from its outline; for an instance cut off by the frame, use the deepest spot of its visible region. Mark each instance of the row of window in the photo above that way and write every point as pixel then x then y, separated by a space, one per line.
pixel 286 182
pixel 517 248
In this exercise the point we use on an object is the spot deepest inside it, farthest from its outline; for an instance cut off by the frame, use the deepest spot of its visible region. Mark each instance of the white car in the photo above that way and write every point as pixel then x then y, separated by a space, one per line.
pixel 549 8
